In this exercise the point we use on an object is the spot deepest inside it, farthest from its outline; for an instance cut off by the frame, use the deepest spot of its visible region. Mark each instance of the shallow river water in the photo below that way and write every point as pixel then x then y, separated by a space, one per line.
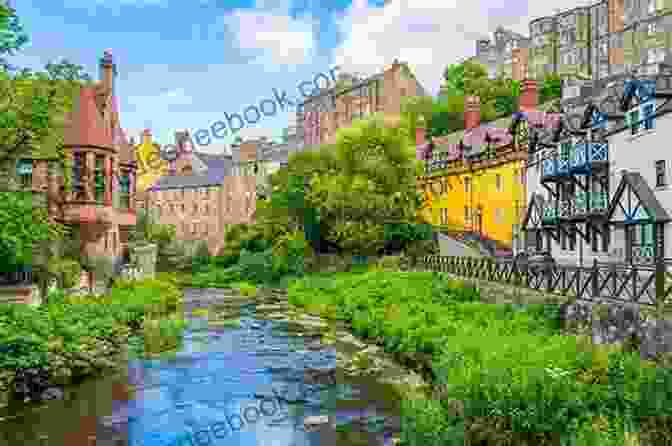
pixel 265 382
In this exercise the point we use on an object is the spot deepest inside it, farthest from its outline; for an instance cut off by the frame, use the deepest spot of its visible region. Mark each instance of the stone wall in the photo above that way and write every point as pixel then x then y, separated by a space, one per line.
pixel 608 321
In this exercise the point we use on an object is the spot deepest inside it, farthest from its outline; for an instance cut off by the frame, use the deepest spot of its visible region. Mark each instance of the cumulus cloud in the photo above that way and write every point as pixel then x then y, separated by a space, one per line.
pixel 429 34
pixel 270 31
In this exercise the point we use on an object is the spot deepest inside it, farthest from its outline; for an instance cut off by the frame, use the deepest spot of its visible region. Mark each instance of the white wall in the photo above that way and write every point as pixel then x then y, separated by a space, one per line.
pixel 639 153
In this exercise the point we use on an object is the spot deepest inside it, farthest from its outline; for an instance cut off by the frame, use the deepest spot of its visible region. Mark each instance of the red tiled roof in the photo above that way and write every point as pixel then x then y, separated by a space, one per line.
pixel 86 125
pixel 476 137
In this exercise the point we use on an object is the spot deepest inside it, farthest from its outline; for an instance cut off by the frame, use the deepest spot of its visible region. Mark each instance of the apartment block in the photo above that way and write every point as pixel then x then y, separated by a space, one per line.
pixel 320 116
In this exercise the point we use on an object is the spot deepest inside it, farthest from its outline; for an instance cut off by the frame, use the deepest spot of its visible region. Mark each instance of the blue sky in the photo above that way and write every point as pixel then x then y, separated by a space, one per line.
pixel 183 67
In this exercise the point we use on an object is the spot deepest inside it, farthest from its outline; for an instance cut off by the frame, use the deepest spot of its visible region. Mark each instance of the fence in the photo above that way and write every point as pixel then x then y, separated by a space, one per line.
pixel 643 284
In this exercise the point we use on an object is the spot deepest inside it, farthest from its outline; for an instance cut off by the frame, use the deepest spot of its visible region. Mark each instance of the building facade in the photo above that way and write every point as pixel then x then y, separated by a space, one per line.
pixel 203 194
pixel 600 189
pixel 320 116
pixel 592 42
pixel 498 54
pixel 477 176
pixel 99 208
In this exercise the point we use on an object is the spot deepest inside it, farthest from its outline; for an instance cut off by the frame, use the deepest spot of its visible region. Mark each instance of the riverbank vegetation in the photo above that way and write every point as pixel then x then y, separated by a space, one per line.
pixel 503 374
pixel 71 337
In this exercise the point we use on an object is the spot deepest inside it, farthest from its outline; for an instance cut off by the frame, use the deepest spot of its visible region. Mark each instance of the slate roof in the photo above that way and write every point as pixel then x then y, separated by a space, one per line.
pixel 218 168
pixel 641 188
pixel 448 146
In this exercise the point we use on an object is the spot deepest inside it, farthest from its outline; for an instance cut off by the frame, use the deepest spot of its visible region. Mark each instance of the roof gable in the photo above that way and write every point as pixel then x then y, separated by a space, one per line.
pixel 635 202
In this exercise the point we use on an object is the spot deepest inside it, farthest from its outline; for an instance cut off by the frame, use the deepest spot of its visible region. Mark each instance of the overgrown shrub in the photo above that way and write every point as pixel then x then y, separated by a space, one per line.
pixel 66 271
pixel 201 257
pixel 517 378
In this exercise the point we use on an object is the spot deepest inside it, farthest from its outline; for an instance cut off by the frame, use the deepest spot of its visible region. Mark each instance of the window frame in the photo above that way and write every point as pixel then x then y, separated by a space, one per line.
pixel 661 180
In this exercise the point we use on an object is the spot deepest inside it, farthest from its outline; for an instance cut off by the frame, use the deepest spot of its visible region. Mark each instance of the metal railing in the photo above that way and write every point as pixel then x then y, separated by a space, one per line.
pixel 644 284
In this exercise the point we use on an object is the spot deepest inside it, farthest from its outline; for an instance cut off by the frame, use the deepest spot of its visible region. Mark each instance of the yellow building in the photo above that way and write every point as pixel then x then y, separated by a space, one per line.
pixel 477 176
pixel 151 166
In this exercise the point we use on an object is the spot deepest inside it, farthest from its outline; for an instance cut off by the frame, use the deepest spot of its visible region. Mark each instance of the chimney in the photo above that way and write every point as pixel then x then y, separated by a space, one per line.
pixel 146 137
pixel 472 112
pixel 519 68
pixel 108 70
pixel 528 96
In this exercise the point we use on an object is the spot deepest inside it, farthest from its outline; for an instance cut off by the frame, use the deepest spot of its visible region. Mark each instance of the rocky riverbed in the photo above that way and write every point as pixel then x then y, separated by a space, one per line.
pixel 238 352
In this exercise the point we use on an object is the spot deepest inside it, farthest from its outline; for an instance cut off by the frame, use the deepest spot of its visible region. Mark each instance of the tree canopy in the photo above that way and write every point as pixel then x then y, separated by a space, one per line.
pixel 349 191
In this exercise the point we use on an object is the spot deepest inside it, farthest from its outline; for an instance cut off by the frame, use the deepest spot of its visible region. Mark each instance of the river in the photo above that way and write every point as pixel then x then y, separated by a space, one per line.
pixel 245 373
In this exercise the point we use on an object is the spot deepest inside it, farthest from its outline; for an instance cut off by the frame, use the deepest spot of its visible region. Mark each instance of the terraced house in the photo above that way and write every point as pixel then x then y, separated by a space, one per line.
pixel 599 187
pixel 477 176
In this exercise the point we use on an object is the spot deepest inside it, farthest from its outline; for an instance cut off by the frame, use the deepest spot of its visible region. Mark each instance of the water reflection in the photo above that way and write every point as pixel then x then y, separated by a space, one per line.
pixel 244 386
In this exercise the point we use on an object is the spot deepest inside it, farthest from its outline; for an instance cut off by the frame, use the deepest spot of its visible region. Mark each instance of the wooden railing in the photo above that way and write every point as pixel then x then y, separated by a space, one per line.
pixel 643 284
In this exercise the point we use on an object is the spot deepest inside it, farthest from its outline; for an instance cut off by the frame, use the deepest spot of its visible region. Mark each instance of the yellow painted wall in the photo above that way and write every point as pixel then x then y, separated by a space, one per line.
pixel 510 199
pixel 150 165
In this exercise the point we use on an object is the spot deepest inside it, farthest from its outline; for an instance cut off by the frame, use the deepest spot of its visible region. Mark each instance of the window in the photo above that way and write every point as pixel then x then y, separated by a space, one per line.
pixel 100 178
pixel 634 121
pixel 207 210
pixel 195 208
pixel 78 172
pixel 660 173
pixel 647 112
pixel 24 170
pixel 467 184
pixel 652 6
pixel 651 28
pixel 499 216
pixel 498 182
pixel 467 215
pixel 444 216
pixel 182 206
pixel 125 191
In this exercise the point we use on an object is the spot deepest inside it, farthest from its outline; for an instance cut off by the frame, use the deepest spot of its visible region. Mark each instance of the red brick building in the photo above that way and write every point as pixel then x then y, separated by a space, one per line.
pixel 99 208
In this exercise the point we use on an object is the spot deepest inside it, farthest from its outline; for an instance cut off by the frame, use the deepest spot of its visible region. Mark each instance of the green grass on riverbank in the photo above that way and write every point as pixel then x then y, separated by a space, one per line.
pixel 74 336
pixel 503 374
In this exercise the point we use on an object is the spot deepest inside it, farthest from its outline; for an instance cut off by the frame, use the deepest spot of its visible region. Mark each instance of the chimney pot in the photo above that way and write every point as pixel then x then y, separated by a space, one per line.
pixel 528 96
pixel 472 112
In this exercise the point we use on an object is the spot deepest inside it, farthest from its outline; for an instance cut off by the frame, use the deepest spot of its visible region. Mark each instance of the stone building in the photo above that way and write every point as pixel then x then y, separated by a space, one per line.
pixel 497 55
pixel 321 115
pixel 99 208
pixel 591 42
pixel 203 194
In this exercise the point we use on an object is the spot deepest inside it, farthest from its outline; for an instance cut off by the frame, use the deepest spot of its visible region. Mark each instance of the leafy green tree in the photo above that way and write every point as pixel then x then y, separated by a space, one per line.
pixel 23 227
pixel 551 88
pixel 12 36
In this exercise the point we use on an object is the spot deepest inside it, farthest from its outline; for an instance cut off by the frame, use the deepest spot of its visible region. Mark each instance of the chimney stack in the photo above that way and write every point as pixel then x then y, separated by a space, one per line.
pixel 472 112
pixel 146 137
pixel 108 70
pixel 520 60
pixel 528 96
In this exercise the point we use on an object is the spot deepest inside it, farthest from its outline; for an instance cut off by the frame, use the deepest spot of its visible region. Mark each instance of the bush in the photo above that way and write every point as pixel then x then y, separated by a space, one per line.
pixel 201 257
pixel 504 363
pixel 66 271
pixel 76 336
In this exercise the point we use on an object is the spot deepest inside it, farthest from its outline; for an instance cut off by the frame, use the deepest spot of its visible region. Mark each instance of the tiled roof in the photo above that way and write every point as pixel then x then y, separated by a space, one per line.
pixel 498 130
pixel 85 124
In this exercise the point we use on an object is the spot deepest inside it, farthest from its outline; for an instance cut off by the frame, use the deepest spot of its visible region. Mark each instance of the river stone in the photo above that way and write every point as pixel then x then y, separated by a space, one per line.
pixel 315 421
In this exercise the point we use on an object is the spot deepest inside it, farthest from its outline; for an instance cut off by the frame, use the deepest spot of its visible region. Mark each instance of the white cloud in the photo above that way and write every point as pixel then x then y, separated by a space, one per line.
pixel 429 34
pixel 268 29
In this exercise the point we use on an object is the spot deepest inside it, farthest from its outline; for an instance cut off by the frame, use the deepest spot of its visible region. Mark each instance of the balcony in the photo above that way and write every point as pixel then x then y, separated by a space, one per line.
pixel 554 167
pixel 550 214
pixel 599 202
pixel 586 156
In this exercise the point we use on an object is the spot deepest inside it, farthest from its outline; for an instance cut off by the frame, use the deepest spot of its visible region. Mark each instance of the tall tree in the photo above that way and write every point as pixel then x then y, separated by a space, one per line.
pixel 12 36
